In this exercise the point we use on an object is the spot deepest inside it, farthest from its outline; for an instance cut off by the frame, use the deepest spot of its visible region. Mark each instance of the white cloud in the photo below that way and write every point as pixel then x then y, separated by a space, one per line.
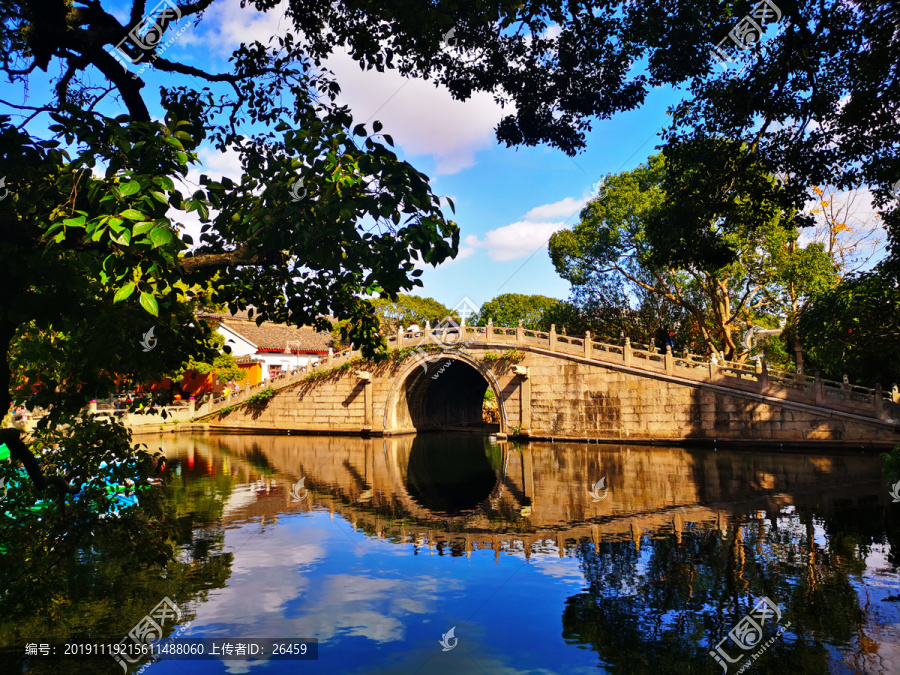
pixel 565 208
pixel 226 25
pixel 423 119
pixel 516 240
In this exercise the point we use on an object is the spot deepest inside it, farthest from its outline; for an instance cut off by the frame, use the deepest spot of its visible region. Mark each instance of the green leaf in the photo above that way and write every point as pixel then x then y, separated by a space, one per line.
pixel 377 126
pixel 129 188
pixel 160 237
pixel 123 237
pixel 148 302
pixel 74 222
pixel 133 214
pixel 140 228
pixel 124 292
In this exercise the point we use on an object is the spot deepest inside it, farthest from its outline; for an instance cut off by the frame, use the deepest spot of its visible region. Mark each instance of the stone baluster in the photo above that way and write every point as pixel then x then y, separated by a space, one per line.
pixel 758 366
pixel 763 376
pixel 713 366
pixel 626 352
pixel 818 389
pixel 192 407
pixel 669 360
pixel 330 356
pixel 587 344
pixel 552 337
pixel 846 383
pixel 520 332
pixel 489 330
pixel 399 337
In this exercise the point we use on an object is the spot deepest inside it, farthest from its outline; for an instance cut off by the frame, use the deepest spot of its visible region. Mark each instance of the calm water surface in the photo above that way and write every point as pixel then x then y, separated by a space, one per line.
pixel 547 558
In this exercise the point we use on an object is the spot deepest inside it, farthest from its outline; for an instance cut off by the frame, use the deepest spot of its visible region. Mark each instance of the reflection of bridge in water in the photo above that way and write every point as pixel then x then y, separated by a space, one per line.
pixel 467 493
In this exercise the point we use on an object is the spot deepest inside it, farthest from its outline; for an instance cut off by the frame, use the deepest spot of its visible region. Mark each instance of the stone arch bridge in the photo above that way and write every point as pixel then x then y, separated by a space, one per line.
pixel 562 387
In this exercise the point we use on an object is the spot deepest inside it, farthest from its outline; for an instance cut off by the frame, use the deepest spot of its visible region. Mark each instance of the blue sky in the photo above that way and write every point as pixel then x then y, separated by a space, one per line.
pixel 508 200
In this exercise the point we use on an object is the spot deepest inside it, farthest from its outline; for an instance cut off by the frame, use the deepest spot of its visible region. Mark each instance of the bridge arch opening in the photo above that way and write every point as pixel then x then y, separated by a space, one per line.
pixel 446 394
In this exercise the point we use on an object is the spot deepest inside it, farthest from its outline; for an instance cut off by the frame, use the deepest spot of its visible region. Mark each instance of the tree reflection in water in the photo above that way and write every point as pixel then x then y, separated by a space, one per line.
pixel 662 607
pixel 103 575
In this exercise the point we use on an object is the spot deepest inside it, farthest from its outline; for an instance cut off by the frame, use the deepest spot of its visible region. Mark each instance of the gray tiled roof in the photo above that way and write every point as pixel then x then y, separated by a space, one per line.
pixel 278 336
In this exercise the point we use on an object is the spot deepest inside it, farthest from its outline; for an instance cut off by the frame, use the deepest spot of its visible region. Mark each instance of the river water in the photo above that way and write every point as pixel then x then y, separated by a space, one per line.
pixel 541 558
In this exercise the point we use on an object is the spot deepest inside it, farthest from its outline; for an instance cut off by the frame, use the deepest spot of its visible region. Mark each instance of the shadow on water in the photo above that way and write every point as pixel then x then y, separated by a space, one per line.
pixel 450 474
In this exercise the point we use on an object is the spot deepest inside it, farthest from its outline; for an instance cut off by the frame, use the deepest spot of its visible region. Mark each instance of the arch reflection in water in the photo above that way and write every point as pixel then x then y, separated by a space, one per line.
pixel 452 474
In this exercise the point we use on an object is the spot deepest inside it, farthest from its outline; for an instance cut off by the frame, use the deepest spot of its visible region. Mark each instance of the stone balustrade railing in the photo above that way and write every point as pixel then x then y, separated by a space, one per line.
pixel 753 377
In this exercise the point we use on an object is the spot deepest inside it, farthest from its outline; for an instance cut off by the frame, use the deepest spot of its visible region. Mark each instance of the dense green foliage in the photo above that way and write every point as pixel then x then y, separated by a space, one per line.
pixel 854 329
pixel 510 308
pixel 406 310
pixel 620 262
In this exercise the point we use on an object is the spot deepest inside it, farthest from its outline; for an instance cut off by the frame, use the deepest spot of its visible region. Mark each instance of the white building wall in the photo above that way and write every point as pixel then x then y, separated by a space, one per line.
pixel 240 346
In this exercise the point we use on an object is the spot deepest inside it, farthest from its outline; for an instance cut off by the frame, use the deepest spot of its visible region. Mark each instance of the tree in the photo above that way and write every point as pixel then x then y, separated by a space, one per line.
pixel 223 365
pixel 621 250
pixel 854 330
pixel 406 310
pixel 509 308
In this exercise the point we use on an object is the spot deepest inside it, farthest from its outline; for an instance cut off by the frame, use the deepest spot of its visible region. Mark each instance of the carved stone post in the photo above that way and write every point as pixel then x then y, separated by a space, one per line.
pixel 520 332
pixel 489 330
pixel 399 337
pixel 713 367
pixel 552 337
pixel 670 360
pixel 587 344
pixel 798 360
pixel 763 376
pixel 192 407
pixel 330 355
pixel 818 390
pixel 626 351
